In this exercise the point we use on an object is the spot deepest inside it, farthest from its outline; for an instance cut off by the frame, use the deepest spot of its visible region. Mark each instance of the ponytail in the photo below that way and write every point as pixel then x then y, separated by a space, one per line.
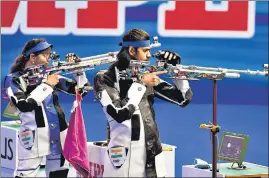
pixel 19 64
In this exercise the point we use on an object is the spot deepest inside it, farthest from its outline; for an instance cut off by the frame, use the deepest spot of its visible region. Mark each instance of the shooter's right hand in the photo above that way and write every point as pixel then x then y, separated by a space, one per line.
pixel 53 79
pixel 152 79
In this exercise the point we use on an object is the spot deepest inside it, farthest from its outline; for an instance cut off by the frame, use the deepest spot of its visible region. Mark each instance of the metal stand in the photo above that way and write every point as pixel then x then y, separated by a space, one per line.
pixel 214 131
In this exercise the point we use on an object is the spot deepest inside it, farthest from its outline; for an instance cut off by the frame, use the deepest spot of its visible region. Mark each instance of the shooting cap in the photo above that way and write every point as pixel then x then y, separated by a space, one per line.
pixel 39 47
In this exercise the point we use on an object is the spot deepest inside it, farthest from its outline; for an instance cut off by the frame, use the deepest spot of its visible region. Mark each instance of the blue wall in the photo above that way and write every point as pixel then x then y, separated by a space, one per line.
pixel 243 103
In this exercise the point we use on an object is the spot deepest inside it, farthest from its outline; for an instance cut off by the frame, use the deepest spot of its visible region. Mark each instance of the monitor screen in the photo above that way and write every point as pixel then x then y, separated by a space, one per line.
pixel 232 147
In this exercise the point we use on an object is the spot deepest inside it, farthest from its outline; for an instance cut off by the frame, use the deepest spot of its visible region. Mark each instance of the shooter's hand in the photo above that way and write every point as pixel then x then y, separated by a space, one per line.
pixel 53 79
pixel 80 76
pixel 152 79
pixel 72 57
pixel 169 57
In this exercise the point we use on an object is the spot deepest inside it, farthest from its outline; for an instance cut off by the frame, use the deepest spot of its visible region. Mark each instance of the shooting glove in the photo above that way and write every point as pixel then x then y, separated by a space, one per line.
pixel 169 57
pixel 80 76
pixel 72 57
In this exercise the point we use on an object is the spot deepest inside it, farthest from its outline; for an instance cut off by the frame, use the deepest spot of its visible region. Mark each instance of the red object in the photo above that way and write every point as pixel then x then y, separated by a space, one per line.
pixel 193 16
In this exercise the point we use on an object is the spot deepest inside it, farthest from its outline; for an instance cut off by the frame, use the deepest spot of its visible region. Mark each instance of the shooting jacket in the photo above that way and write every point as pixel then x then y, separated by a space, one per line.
pixel 135 148
pixel 43 125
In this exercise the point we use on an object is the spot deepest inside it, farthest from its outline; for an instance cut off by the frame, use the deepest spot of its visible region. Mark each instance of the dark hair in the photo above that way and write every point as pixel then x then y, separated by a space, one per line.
pixel 135 35
pixel 21 60
pixel 131 35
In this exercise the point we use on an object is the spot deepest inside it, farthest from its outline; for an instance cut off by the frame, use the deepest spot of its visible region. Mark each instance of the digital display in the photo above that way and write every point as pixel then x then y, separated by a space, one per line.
pixel 231 147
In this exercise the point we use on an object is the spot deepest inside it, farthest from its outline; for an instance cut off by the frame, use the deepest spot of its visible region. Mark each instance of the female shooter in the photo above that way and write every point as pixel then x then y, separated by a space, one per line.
pixel 43 125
